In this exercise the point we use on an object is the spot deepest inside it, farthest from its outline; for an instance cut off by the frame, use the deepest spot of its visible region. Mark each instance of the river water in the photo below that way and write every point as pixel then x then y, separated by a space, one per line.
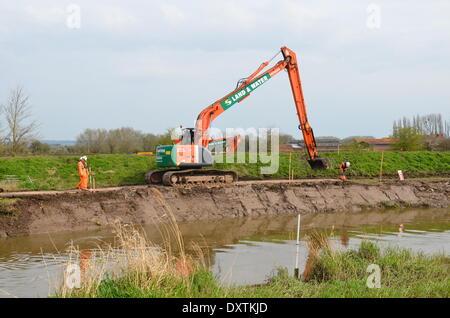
pixel 240 250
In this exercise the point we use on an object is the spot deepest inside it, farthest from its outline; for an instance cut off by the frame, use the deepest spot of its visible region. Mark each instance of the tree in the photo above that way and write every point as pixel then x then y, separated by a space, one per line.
pixel 285 138
pixel 38 147
pixel 354 146
pixel 93 141
pixel 166 138
pixel 431 127
pixel 431 124
pixel 20 128
pixel 150 141
pixel 444 145
pixel 121 140
pixel 407 139
pixel 125 140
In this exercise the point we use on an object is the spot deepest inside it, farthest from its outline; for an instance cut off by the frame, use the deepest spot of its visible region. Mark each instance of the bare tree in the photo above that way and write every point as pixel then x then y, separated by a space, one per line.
pixel 431 124
pixel 447 129
pixel 121 140
pixel 20 128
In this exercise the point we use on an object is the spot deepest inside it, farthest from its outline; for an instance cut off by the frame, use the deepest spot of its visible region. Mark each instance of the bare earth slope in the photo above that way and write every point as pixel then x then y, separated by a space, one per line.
pixel 24 213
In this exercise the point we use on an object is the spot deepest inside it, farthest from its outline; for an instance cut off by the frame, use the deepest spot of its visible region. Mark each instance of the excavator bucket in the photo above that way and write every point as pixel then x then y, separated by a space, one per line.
pixel 318 163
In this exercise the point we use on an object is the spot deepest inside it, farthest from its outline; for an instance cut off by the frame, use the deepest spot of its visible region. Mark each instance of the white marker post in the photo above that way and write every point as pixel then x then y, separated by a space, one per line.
pixel 296 272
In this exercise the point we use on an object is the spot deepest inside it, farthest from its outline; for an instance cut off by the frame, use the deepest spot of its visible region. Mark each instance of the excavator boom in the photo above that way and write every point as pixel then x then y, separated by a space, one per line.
pixel 289 63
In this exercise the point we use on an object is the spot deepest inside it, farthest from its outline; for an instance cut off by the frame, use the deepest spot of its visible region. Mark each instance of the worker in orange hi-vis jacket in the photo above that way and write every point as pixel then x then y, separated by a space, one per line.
pixel 343 167
pixel 83 172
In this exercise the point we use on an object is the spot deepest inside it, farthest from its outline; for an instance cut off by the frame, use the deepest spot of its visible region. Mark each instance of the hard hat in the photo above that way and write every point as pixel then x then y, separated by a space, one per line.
pixel 83 158
pixel 347 163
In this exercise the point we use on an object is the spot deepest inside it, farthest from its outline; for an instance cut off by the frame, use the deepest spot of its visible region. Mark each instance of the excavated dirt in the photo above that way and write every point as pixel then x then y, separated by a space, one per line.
pixel 42 212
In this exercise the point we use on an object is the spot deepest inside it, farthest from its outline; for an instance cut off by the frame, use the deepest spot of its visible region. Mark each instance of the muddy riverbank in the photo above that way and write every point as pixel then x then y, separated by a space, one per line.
pixel 45 212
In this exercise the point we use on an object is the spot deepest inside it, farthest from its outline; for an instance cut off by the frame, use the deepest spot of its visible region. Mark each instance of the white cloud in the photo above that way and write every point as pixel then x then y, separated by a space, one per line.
pixel 230 15
pixel 301 15
pixel 45 15
pixel 172 13
pixel 112 18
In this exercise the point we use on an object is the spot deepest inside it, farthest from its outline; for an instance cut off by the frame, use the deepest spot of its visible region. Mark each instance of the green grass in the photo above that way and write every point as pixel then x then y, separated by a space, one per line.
pixel 59 172
pixel 334 274
pixel 363 164
pixel 199 285
pixel 343 274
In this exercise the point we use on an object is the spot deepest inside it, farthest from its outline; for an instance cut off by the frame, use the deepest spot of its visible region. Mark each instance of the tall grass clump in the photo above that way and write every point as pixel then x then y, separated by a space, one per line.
pixel 338 274
pixel 134 267
pixel 403 273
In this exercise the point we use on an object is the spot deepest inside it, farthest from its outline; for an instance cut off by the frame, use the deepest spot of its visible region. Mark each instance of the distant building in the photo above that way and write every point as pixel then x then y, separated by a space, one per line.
pixel 289 147
pixel 378 144
pixel 327 144
pixel 58 142
pixel 324 144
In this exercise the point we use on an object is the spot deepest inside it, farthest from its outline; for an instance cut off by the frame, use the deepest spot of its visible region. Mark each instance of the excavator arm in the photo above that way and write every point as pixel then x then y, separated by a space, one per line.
pixel 315 162
pixel 247 86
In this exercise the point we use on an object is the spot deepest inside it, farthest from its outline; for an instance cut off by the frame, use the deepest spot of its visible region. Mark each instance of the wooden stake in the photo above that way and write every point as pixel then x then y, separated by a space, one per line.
pixel 90 177
pixel 296 271
pixel 381 165
pixel 290 172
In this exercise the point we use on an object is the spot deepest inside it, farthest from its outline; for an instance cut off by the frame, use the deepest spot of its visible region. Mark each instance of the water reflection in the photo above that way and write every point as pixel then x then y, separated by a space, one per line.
pixel 240 250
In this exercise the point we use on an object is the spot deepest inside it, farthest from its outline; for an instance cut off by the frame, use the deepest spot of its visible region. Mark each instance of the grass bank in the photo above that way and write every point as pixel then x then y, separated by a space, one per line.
pixel 59 172
pixel 363 164
pixel 329 273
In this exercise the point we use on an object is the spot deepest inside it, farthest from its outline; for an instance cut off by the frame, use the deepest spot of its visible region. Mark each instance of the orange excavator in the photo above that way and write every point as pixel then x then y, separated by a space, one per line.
pixel 190 150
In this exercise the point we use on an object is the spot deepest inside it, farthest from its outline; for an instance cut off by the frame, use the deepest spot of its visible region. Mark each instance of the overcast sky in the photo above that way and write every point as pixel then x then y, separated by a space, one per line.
pixel 152 65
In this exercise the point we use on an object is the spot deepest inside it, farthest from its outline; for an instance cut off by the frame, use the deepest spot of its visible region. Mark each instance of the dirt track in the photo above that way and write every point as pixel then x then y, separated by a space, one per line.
pixel 23 213
pixel 22 194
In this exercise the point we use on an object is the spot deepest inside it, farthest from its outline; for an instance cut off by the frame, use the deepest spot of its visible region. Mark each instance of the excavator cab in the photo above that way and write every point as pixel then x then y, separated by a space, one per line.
pixel 187 136
pixel 184 153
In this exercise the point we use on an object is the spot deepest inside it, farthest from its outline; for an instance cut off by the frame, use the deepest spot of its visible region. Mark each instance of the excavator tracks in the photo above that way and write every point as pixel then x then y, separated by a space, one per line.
pixel 176 177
